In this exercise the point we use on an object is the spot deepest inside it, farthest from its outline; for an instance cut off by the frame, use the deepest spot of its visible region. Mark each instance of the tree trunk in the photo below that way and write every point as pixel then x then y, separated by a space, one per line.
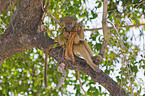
pixel 24 32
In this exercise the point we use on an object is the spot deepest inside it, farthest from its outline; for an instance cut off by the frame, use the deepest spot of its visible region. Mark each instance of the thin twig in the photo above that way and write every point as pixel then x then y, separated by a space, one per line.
pixel 47 5
pixel 43 11
pixel 45 70
pixel 61 70
pixel 122 45
pixel 127 6
pixel 56 20
pixel 135 4
pixel 128 26
pixel 49 14
pixel 135 7
pixel 78 73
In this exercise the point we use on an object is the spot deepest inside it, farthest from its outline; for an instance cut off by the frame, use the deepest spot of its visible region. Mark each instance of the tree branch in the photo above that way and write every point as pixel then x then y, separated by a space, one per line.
pixel 21 30
pixel 56 20
pixel 122 45
pixel 5 5
pixel 105 30
pixel 24 32
pixel 128 26
pixel 79 65
pixel 138 4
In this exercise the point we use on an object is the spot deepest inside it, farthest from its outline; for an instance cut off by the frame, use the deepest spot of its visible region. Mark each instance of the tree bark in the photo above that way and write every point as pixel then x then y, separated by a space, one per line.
pixel 5 5
pixel 24 32
pixel 23 27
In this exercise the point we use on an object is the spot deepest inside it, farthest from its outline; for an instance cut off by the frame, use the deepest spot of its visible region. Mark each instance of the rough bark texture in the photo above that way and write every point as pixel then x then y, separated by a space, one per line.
pixel 22 29
pixel 23 33
pixel 5 5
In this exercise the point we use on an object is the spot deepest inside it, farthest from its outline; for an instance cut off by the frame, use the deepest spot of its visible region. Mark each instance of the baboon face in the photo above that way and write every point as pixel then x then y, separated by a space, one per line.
pixel 68 23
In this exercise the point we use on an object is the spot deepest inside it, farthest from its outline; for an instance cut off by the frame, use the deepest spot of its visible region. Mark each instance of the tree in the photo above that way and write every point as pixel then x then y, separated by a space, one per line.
pixel 25 35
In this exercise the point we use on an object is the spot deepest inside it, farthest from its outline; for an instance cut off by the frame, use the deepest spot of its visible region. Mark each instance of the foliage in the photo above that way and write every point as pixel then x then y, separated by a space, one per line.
pixel 23 73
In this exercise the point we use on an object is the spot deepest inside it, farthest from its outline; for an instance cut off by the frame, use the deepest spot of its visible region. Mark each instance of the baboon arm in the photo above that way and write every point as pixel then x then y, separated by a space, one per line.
pixel 81 35
pixel 76 39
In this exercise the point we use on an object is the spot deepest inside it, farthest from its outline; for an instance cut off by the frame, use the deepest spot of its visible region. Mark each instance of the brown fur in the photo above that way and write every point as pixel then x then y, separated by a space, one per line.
pixel 69 45
pixel 74 36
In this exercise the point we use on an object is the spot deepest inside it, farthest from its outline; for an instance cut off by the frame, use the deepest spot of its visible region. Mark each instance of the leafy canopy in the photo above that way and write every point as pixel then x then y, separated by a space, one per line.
pixel 23 73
